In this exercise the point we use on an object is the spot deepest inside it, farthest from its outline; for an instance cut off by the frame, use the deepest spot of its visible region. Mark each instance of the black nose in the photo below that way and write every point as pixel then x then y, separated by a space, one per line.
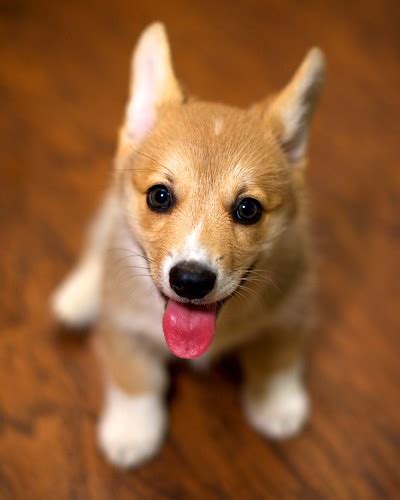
pixel 191 280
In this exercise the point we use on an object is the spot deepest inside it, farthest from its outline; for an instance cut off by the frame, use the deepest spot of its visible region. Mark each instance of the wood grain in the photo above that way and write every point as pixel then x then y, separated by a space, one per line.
pixel 63 80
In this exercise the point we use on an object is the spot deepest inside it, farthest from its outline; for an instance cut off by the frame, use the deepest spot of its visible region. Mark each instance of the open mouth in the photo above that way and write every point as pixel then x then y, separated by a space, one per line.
pixel 189 329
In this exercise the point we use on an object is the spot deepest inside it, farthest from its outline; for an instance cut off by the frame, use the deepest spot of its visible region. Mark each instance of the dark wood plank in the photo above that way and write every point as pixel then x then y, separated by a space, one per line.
pixel 63 77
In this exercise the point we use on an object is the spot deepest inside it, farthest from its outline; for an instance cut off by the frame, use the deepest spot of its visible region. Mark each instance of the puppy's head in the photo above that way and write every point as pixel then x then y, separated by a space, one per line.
pixel 207 188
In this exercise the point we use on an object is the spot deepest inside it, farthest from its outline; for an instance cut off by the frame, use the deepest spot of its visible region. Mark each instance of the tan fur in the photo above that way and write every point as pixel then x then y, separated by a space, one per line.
pixel 209 154
pixel 129 362
pixel 207 172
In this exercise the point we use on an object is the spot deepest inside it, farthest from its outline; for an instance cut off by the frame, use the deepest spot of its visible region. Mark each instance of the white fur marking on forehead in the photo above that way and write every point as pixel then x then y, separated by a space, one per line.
pixel 218 124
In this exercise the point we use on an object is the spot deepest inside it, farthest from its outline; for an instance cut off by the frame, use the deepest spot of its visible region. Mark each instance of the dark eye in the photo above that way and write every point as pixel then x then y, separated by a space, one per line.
pixel 159 198
pixel 247 211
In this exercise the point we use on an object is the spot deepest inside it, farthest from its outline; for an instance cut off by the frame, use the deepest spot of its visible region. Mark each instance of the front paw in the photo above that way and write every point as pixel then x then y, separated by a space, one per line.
pixel 280 411
pixel 131 429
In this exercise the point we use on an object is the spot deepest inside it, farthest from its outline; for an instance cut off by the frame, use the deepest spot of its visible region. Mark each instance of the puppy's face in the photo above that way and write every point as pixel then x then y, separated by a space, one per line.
pixel 207 188
pixel 207 191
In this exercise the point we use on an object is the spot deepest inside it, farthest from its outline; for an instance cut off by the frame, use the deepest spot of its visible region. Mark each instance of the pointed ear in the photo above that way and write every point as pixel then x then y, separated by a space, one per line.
pixel 290 112
pixel 153 82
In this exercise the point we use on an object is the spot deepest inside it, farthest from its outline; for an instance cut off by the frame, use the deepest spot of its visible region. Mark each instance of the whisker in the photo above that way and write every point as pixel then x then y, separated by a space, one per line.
pixel 251 296
pixel 128 269
pixel 128 278
pixel 131 253
pixel 121 259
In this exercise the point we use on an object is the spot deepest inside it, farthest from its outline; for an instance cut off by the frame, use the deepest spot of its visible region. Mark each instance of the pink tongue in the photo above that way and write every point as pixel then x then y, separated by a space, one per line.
pixel 189 329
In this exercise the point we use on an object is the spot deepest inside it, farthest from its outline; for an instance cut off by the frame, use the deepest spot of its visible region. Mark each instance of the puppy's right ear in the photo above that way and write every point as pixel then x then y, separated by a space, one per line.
pixel 153 83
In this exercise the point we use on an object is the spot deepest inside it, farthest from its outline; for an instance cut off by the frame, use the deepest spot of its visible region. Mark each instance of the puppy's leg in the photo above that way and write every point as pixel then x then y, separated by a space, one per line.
pixel 275 399
pixel 133 421
pixel 76 301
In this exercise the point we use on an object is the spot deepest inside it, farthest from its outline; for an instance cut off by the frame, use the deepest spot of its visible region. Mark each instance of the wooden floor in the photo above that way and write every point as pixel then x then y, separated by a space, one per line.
pixel 63 79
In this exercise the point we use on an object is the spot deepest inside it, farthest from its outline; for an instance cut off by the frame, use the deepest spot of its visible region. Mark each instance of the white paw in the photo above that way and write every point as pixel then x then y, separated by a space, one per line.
pixel 281 411
pixel 131 429
pixel 76 301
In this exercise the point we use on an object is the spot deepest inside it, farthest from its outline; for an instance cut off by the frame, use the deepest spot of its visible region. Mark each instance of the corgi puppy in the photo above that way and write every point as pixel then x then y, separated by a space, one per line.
pixel 201 247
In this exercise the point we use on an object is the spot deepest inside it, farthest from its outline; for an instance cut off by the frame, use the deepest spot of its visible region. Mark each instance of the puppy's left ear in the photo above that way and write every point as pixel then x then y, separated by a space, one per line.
pixel 153 83
pixel 290 112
